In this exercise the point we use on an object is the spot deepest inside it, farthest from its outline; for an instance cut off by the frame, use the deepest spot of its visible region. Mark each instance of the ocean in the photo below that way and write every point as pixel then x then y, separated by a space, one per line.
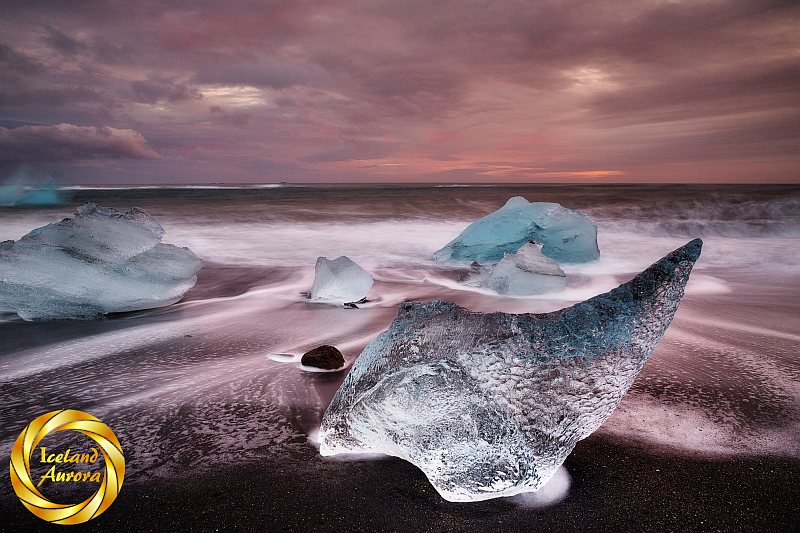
pixel 194 390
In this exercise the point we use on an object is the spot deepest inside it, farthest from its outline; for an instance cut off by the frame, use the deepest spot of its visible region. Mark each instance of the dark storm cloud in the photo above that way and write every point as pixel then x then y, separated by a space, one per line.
pixel 22 95
pixel 67 142
pixel 387 90
pixel 63 43
pixel 12 62
pixel 235 118
pixel 261 72
pixel 96 49
pixel 158 89
pixel 768 85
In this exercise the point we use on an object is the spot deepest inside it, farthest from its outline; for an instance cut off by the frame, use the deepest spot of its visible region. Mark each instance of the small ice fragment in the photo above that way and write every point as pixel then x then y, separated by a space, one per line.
pixel 340 280
pixel 20 191
pixel 524 273
pixel 284 357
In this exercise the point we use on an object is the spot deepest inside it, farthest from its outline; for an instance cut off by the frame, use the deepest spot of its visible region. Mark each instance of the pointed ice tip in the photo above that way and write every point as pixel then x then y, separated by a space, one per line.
pixel 515 201
pixel 689 251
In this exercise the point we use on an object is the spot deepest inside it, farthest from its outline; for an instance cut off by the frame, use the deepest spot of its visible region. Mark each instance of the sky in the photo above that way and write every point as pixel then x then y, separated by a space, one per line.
pixel 196 91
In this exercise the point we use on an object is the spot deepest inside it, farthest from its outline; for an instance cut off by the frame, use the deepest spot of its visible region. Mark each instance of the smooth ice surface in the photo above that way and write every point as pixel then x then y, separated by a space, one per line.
pixel 525 273
pixel 490 405
pixel 566 235
pixel 340 280
pixel 99 261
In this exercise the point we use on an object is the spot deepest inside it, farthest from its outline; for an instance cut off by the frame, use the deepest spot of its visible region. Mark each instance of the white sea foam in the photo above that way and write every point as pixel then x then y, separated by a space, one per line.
pixel 552 493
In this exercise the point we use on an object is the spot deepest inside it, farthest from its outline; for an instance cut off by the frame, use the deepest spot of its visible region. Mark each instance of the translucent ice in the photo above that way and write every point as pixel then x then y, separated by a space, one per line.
pixel 490 405
pixel 340 280
pixel 20 192
pixel 567 235
pixel 525 273
pixel 100 261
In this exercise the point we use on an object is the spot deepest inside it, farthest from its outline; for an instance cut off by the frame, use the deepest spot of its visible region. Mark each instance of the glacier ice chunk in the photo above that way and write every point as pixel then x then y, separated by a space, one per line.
pixel 20 192
pixel 97 262
pixel 524 273
pixel 490 405
pixel 340 280
pixel 567 235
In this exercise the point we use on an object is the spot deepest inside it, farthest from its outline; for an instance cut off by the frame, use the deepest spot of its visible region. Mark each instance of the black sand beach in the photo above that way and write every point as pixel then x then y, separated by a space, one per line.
pixel 615 487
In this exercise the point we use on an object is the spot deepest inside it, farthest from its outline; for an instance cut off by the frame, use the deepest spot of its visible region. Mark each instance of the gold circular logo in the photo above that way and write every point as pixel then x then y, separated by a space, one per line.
pixel 22 453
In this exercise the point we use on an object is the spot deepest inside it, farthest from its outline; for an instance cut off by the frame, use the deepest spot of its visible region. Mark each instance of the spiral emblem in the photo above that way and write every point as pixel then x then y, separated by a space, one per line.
pixel 112 477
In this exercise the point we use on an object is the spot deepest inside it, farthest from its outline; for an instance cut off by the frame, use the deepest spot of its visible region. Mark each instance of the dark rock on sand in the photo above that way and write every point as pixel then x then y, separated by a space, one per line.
pixel 326 357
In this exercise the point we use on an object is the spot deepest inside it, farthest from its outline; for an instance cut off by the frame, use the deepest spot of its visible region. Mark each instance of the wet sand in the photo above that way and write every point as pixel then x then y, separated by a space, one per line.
pixel 615 487
pixel 216 439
